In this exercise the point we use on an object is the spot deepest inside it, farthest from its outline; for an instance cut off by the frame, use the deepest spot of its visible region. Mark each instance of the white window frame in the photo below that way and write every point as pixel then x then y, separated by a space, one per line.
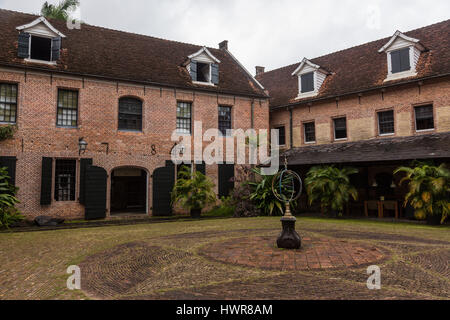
pixel 334 129
pixel 415 119
pixel 378 124
pixel 37 60
pixel 304 132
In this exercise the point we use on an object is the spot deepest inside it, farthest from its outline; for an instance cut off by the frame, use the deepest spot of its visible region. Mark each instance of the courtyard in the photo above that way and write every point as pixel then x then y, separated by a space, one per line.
pixel 228 259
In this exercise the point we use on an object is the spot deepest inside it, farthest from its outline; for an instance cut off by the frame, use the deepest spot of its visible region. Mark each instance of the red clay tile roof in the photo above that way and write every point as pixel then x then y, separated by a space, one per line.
pixel 361 68
pixel 117 55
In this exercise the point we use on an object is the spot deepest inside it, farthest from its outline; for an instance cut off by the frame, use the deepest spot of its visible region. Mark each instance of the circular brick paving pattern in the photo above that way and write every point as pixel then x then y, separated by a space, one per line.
pixel 323 253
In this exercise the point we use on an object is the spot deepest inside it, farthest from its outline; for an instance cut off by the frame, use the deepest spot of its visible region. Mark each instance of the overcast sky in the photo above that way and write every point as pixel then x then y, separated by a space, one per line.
pixel 260 32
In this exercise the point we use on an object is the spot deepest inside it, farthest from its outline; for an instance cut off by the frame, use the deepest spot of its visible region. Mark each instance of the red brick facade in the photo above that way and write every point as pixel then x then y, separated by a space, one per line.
pixel 38 136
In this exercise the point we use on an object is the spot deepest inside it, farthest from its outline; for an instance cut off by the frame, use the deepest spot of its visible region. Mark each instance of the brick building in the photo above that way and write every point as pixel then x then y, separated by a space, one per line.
pixel 374 106
pixel 123 94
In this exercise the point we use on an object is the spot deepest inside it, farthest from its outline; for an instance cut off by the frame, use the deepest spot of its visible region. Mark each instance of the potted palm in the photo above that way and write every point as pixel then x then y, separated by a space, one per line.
pixel 330 186
pixel 193 191
pixel 429 191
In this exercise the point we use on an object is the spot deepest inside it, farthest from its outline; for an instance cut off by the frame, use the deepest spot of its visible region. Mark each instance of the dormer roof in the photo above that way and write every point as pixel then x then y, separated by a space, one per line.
pixel 205 53
pixel 398 34
pixel 305 62
pixel 36 22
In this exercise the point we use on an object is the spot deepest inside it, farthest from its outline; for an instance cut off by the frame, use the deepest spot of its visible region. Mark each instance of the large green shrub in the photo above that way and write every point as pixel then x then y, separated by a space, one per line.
pixel 8 212
pixel 262 194
pixel 429 189
pixel 193 191
pixel 7 132
pixel 330 187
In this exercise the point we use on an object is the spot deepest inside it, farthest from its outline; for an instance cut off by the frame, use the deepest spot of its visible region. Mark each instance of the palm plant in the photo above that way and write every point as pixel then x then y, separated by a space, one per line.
pixel 8 212
pixel 262 194
pixel 193 191
pixel 330 186
pixel 61 11
pixel 429 190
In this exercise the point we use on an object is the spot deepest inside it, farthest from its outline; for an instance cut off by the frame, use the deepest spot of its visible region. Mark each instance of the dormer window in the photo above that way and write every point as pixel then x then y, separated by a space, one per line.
pixel 310 79
pixel 403 53
pixel 400 60
pixel 204 68
pixel 39 41
pixel 307 81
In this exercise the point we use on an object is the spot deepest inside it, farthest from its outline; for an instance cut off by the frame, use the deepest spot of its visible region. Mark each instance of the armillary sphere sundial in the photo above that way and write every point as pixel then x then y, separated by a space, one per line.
pixel 287 187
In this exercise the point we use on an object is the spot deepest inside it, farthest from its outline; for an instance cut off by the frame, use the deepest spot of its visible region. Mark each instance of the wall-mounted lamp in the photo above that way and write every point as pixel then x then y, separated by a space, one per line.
pixel 375 184
pixel 82 146
pixel 393 186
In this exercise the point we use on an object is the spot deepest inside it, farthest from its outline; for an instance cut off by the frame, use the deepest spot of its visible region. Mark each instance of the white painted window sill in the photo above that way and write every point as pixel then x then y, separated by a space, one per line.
pixel 400 75
pixel 425 130
pixel 204 83
pixel 343 139
pixel 51 63
pixel 307 95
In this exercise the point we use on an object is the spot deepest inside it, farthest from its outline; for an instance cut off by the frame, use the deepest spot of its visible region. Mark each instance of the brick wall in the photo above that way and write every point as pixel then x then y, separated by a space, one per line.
pixel 39 137
pixel 361 113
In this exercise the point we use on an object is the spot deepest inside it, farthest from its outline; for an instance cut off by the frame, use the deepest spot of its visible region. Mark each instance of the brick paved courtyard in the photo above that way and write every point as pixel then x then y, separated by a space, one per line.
pixel 228 259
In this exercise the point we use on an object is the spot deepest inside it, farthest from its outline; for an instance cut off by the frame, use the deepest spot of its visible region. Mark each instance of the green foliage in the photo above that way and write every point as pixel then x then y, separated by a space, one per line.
pixel 262 194
pixel 8 212
pixel 7 132
pixel 61 10
pixel 193 191
pixel 226 208
pixel 330 186
pixel 429 189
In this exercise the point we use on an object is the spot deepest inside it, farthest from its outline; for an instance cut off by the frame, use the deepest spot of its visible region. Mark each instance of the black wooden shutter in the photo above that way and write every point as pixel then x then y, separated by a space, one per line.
pixel 56 48
pixel 215 73
pixel 395 61
pixel 193 70
pixel 24 45
pixel 46 181
pixel 201 168
pixel 84 163
pixel 10 164
pixel 95 193
pixel 307 82
pixel 404 60
pixel 163 182
pixel 226 175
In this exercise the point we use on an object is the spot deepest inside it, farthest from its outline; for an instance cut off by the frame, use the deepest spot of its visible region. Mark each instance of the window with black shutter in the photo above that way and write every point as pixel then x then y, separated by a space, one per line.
pixel 41 48
pixel 65 179
pixel 424 117
pixel 386 122
pixel 130 114
pixel 8 103
pixel 282 135
pixel 310 132
pixel 340 128
pixel 307 81
pixel 67 108
pixel 224 120
pixel 400 60
pixel 184 117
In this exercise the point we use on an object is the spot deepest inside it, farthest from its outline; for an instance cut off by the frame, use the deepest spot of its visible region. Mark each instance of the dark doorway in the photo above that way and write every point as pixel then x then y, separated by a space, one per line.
pixel 128 191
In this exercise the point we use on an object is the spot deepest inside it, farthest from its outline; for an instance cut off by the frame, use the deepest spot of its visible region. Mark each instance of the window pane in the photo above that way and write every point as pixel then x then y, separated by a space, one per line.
pixel 424 117
pixel 307 81
pixel 340 128
pixel 130 114
pixel 310 132
pixel 224 119
pixel 400 60
pixel 65 175
pixel 67 108
pixel 282 136
pixel 8 102
pixel 184 117
pixel 386 122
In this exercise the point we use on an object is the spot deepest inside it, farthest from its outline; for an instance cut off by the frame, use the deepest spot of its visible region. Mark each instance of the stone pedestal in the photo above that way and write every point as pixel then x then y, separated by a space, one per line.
pixel 289 238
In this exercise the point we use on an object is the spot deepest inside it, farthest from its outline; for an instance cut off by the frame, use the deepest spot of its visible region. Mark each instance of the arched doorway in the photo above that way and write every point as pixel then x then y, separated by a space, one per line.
pixel 128 191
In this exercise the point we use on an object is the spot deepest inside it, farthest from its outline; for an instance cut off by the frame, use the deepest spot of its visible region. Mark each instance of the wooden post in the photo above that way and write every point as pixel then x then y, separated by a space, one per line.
pixel 366 210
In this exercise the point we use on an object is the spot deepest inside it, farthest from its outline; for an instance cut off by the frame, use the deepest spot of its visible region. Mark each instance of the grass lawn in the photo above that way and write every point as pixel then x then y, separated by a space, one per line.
pixel 164 261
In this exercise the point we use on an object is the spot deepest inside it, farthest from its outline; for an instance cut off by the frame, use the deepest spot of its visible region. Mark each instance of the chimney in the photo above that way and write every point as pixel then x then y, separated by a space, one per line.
pixel 259 70
pixel 223 45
